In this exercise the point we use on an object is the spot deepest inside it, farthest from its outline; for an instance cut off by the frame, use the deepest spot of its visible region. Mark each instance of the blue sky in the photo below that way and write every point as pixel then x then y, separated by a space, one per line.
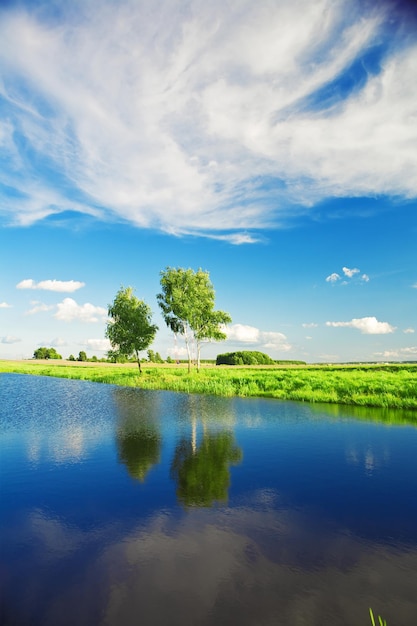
pixel 273 144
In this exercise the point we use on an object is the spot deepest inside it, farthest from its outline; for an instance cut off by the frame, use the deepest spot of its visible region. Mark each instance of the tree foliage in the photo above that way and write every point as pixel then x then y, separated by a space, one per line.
pixel 46 353
pixel 129 328
pixel 154 357
pixel 187 304
pixel 245 357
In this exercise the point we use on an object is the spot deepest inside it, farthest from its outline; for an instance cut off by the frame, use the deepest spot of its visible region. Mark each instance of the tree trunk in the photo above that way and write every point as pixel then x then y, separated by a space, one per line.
pixel 198 355
pixel 187 343
pixel 139 365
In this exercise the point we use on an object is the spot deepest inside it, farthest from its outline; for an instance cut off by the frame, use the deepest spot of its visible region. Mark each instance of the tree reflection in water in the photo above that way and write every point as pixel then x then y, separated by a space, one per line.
pixel 202 472
pixel 138 436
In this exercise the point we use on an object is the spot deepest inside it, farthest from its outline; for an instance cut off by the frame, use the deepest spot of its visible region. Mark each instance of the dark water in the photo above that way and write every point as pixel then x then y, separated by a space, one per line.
pixel 131 507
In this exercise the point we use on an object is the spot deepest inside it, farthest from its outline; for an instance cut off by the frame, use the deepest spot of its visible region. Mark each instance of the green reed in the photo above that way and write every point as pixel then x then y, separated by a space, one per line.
pixel 381 622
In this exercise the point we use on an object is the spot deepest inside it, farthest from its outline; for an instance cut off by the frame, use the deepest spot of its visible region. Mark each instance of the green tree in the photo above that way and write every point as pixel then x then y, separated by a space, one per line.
pixel 46 353
pixel 245 357
pixel 187 303
pixel 82 356
pixel 129 329
pixel 151 356
pixel 71 357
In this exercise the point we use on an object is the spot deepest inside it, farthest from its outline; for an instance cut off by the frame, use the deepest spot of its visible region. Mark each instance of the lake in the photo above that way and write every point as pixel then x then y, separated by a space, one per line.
pixel 121 506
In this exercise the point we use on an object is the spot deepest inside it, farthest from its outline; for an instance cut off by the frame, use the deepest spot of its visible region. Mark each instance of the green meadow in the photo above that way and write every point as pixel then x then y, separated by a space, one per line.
pixel 388 386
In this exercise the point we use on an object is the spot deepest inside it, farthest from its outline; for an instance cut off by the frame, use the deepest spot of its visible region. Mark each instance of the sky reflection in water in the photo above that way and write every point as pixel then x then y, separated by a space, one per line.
pixel 122 506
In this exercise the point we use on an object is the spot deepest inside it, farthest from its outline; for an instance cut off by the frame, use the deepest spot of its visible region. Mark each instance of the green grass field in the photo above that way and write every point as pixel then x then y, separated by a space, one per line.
pixel 392 386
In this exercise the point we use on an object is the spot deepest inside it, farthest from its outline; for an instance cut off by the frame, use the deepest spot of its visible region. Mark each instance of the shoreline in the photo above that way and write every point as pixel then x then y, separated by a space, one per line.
pixel 381 386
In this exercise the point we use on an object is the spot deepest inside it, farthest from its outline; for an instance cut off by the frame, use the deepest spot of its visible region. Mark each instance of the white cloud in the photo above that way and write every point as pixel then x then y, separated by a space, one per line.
pixel 98 345
pixel 51 285
pixel 58 342
pixel 4 305
pixel 9 339
pixel 69 310
pixel 178 352
pixel 310 325
pixel 367 326
pixel 25 284
pixel 39 307
pixel 409 331
pixel 400 353
pixel 332 278
pixel 242 333
pixel 249 335
pixel 182 113
pixel 350 272
pixel 414 286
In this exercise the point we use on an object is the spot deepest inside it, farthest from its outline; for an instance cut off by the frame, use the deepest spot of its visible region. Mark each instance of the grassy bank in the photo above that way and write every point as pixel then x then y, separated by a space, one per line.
pixel 386 386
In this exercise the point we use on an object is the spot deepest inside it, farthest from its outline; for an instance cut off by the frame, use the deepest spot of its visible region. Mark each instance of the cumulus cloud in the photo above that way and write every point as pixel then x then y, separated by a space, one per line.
pixel 57 342
pixel 69 310
pixel 310 325
pixel 254 337
pixel 243 333
pixel 367 326
pixel 350 273
pixel 406 353
pixel 51 285
pixel 98 345
pixel 332 278
pixel 4 305
pixel 9 339
pixel 210 117
pixel 409 331
pixel 39 307
pixel 177 352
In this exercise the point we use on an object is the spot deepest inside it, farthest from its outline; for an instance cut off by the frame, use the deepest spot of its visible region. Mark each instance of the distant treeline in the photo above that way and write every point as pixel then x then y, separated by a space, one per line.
pixel 251 357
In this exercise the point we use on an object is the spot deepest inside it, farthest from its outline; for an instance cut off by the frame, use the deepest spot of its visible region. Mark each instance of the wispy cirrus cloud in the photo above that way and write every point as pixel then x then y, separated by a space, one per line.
pixel 367 326
pixel 206 118
pixel 51 285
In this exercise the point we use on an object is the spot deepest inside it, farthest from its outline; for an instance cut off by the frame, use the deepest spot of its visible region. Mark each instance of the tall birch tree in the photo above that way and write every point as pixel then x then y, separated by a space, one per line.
pixel 187 304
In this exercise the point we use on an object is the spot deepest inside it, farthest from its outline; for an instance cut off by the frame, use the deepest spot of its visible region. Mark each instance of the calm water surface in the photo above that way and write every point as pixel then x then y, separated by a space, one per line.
pixel 121 506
